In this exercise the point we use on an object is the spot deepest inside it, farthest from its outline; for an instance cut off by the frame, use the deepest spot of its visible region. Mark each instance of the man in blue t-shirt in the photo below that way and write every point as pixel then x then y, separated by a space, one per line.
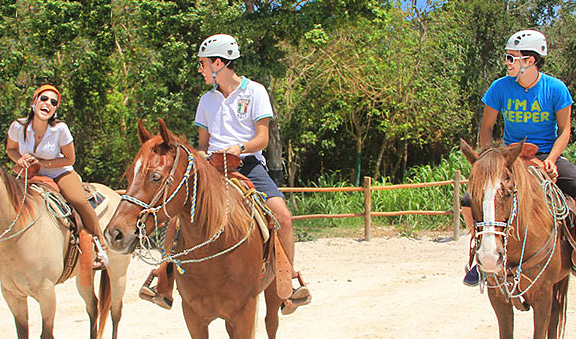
pixel 535 106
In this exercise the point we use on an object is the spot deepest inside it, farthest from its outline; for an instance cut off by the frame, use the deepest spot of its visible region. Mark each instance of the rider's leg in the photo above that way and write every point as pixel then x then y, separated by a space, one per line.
pixel 286 233
pixel 258 174
pixel 472 277
pixel 300 295
pixel 566 180
pixel 70 185
pixel 468 219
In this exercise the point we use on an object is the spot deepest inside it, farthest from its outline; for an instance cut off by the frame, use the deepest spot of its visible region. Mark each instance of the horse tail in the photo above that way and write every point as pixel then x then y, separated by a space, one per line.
pixel 105 297
pixel 560 296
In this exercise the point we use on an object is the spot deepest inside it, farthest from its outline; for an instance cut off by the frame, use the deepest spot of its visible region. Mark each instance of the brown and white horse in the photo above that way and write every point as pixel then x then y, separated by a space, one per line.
pixel 33 244
pixel 219 247
pixel 519 244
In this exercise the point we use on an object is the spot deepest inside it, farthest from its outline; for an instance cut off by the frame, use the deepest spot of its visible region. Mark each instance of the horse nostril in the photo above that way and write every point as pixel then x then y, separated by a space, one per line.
pixel 118 236
pixel 114 235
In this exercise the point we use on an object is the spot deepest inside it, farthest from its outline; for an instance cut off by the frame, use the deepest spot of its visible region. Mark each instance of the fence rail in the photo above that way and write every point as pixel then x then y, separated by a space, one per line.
pixel 368 214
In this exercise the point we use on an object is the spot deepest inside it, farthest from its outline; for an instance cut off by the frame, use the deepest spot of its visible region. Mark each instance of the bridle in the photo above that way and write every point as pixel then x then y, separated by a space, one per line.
pixel 559 211
pixel 162 193
pixel 506 226
pixel 149 208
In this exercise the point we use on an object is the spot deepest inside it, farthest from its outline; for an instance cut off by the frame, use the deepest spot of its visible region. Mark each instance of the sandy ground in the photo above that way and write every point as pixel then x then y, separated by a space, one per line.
pixel 384 288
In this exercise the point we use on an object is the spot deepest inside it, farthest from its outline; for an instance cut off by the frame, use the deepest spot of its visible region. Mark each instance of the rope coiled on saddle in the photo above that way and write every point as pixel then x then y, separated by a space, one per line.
pixel 50 200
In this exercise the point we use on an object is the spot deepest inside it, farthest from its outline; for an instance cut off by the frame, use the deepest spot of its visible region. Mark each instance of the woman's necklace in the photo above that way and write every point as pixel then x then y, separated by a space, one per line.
pixel 533 83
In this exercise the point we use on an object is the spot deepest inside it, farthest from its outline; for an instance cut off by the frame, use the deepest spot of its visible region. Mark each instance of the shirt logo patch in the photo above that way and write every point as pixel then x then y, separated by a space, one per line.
pixel 243 103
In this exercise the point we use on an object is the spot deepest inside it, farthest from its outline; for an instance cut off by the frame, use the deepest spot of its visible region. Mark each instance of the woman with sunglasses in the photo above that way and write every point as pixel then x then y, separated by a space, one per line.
pixel 535 106
pixel 41 143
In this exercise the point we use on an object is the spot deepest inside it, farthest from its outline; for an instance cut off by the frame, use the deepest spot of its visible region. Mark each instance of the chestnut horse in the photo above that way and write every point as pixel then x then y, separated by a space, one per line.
pixel 33 244
pixel 220 249
pixel 524 260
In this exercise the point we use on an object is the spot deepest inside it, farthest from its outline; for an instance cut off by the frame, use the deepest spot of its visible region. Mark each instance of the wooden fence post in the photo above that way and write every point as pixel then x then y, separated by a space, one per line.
pixel 367 207
pixel 456 205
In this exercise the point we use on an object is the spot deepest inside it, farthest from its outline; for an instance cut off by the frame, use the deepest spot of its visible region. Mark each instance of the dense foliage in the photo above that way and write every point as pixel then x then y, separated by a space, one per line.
pixel 360 87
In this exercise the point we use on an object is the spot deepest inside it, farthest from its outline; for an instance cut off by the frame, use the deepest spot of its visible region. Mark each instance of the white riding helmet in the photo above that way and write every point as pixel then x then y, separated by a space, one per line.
pixel 220 45
pixel 528 40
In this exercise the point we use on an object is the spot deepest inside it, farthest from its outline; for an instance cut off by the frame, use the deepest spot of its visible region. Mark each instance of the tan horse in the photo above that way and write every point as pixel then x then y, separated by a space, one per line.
pixel 519 242
pixel 32 252
pixel 222 250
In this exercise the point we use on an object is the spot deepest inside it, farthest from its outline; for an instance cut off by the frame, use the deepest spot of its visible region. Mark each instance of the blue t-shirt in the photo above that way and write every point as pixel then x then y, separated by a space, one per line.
pixel 531 113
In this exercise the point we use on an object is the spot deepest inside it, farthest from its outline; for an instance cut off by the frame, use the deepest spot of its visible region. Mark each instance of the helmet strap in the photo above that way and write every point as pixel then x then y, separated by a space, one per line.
pixel 215 73
pixel 522 70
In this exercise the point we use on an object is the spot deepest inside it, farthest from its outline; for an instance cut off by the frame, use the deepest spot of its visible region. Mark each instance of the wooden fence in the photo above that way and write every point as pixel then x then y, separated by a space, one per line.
pixel 368 213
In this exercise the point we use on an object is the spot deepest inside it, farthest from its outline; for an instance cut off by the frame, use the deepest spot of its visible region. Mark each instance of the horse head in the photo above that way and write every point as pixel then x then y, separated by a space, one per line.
pixel 493 192
pixel 155 190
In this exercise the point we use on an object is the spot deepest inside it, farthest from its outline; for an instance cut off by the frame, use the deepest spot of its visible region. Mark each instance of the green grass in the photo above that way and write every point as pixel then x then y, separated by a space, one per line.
pixel 435 198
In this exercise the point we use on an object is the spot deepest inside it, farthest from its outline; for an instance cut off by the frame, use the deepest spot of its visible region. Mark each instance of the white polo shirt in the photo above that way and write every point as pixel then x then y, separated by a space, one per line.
pixel 231 120
pixel 49 147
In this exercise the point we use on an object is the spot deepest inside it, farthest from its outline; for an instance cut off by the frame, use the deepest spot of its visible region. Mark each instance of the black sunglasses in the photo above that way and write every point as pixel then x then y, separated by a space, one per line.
pixel 54 102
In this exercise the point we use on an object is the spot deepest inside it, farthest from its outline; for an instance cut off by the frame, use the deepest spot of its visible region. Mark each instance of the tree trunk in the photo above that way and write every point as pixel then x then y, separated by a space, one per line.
pixel 249 6
pixel 358 161
pixel 274 155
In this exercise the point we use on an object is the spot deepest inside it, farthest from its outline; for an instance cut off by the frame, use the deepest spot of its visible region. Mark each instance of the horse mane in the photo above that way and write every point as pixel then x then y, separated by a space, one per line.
pixel 212 197
pixel 213 200
pixel 532 205
pixel 15 190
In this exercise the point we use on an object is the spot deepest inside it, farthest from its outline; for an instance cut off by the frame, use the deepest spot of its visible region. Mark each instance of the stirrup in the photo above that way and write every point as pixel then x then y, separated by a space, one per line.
pixel 290 305
pixel 101 256
pixel 147 291
pixel 149 294
pixel 300 296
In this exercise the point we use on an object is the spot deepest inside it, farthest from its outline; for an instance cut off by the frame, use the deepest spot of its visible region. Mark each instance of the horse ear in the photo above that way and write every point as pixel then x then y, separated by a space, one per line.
pixel 468 151
pixel 513 152
pixel 143 133
pixel 165 133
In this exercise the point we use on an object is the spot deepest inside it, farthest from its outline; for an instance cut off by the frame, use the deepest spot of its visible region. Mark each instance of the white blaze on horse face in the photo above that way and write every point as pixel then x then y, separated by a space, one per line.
pixel 488 254
pixel 137 167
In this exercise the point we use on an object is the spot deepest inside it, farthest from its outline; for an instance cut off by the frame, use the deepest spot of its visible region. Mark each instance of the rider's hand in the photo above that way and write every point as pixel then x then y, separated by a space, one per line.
pixel 234 149
pixel 27 160
pixel 551 169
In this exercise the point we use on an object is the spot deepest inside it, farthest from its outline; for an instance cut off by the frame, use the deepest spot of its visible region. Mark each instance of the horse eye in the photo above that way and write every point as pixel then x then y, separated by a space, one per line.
pixel 156 177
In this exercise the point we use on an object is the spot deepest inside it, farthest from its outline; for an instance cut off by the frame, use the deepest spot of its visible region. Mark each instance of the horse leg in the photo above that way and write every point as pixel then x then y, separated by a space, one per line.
pixel 242 324
pixel 46 297
pixel 19 308
pixel 197 325
pixel 558 314
pixel 117 274
pixel 87 293
pixel 504 313
pixel 542 307
pixel 273 303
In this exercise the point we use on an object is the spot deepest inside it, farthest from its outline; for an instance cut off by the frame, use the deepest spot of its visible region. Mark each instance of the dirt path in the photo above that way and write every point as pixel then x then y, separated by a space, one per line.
pixel 385 288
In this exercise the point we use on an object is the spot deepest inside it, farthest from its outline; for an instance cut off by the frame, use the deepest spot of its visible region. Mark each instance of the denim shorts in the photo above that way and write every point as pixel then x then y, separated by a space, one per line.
pixel 258 174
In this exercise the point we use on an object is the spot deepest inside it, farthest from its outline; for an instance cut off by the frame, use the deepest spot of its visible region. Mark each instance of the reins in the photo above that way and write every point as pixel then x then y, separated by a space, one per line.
pixel 557 207
pixel 48 196
pixel 146 243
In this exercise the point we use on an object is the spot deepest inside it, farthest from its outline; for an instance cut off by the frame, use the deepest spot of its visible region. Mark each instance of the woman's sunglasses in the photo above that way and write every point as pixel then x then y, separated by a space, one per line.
pixel 44 98
pixel 510 59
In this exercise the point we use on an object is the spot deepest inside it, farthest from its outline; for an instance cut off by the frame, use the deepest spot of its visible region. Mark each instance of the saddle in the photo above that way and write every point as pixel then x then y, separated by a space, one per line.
pixel 528 155
pixel 80 241
pixel 263 216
